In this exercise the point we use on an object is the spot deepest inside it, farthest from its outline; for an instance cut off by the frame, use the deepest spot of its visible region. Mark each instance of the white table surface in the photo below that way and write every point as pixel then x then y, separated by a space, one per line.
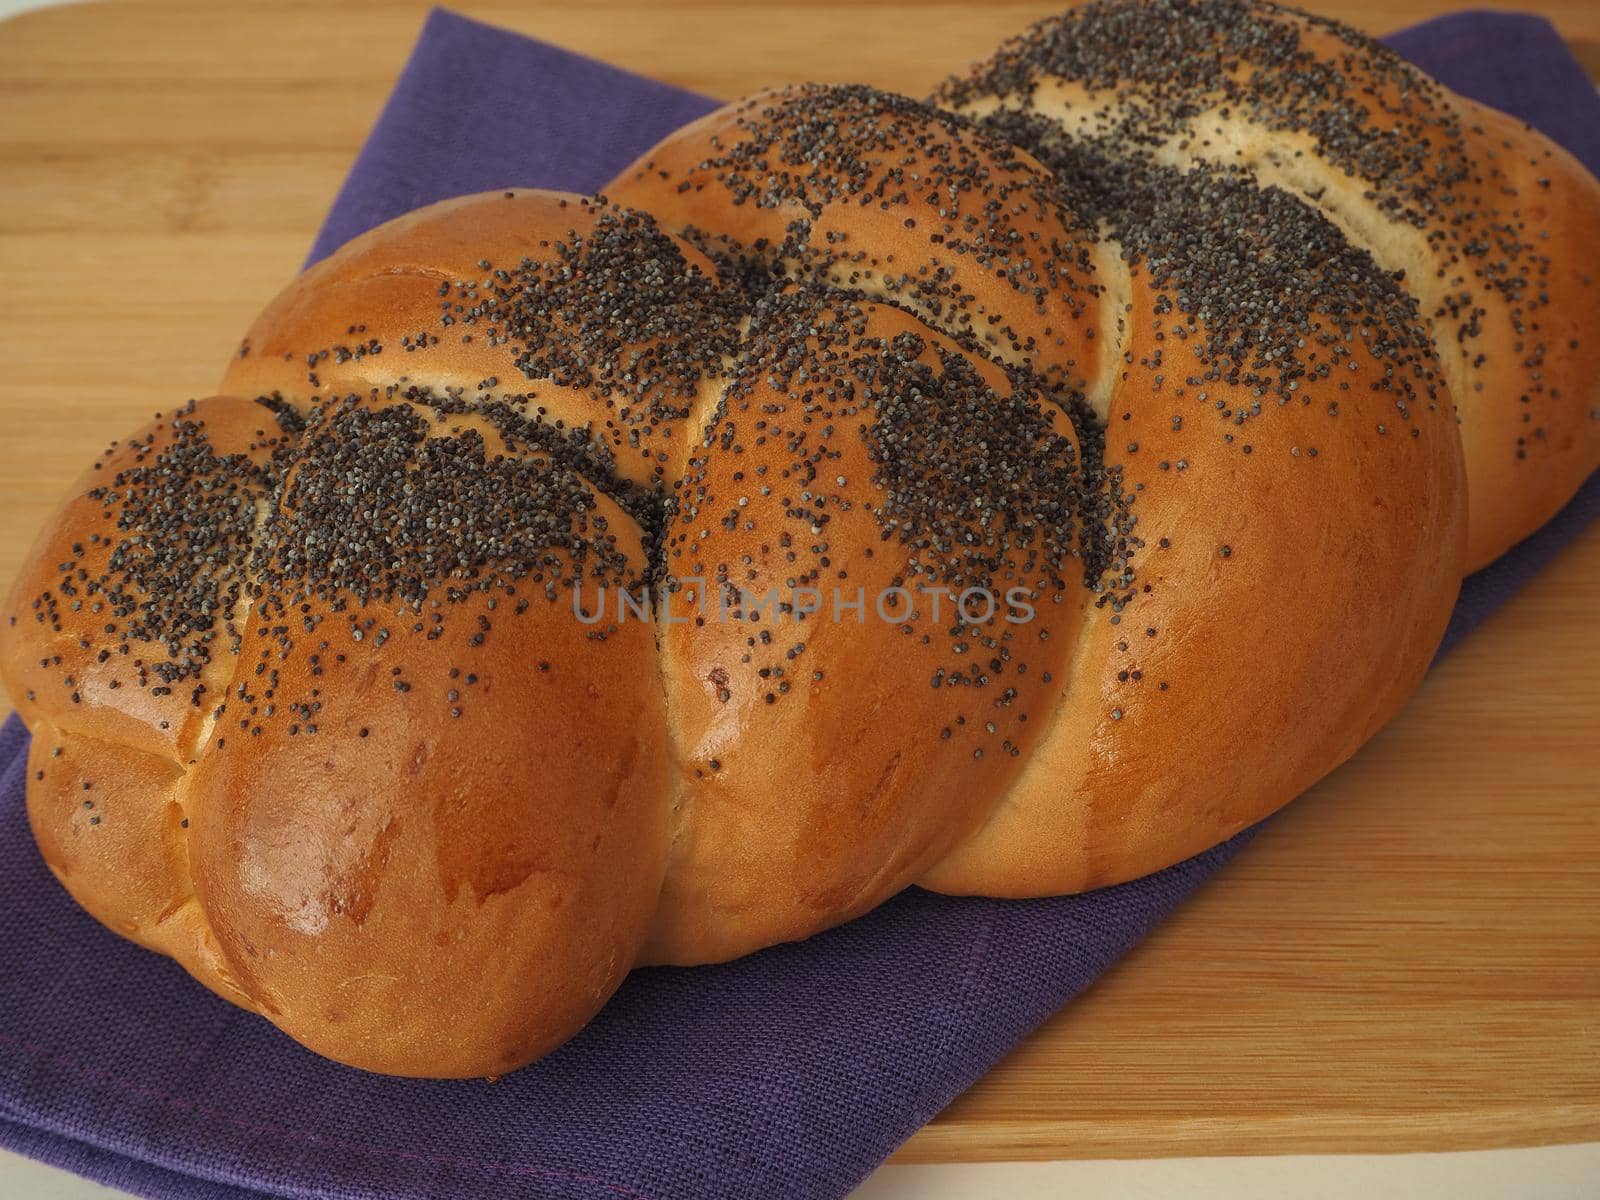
pixel 1548 1173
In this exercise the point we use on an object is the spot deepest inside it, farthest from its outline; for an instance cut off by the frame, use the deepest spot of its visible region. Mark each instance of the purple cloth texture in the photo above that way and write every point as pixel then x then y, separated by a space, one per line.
pixel 791 1073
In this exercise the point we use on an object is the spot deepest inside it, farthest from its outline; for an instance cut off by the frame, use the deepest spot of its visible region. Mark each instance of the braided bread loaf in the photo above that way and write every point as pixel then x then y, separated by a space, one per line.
pixel 853 498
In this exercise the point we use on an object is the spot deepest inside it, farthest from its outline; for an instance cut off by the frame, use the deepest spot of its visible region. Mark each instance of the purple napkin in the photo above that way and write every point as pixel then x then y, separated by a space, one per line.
pixel 791 1073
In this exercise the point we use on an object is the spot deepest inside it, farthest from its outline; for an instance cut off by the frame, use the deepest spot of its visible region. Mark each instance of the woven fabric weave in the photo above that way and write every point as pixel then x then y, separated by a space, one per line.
pixel 791 1073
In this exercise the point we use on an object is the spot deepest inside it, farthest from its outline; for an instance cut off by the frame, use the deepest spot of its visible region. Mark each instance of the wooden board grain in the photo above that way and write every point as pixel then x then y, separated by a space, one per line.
pixel 1408 958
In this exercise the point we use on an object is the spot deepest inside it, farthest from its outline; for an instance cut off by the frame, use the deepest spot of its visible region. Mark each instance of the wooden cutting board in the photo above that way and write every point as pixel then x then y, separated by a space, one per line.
pixel 1408 958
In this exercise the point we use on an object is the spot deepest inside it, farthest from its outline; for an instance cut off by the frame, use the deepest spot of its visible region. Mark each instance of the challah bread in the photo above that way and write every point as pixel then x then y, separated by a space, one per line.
pixel 409 808
pixel 847 501
pixel 1490 225
pixel 1259 412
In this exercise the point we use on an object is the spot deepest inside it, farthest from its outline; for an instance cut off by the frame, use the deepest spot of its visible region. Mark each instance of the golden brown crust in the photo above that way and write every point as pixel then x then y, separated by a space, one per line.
pixel 110 824
pixel 1487 220
pixel 872 193
pixel 417 304
pixel 315 657
pixel 428 894
pixel 93 659
pixel 1527 459
pixel 1269 635
pixel 1239 391
pixel 814 789
pixel 314 711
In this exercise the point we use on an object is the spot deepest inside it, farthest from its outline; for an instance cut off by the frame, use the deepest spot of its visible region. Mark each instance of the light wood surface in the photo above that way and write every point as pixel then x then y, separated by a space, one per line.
pixel 1409 958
